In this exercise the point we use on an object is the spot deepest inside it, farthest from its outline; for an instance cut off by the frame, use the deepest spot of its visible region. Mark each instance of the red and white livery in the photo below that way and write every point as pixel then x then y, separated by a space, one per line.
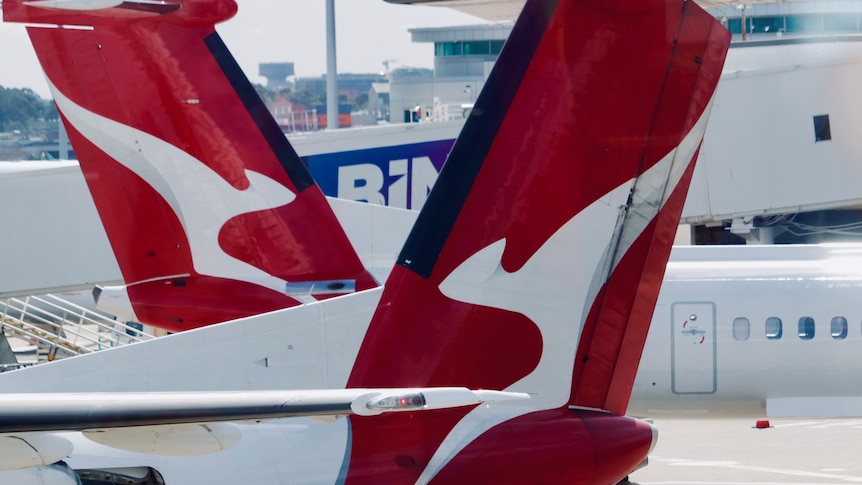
pixel 532 270
pixel 209 211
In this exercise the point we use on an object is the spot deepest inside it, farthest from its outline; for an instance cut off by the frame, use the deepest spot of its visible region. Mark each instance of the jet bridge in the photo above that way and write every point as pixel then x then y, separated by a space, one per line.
pixel 783 138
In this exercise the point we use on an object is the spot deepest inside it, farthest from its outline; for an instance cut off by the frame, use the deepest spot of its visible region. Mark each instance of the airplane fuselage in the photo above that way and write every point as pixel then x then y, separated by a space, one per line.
pixel 755 331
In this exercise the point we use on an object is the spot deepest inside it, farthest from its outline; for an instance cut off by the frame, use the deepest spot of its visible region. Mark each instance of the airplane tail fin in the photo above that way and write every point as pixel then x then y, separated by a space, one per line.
pixel 537 259
pixel 614 331
pixel 209 211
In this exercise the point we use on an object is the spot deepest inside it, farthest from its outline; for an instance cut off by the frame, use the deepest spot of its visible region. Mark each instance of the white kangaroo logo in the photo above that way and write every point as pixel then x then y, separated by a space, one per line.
pixel 202 200
pixel 556 287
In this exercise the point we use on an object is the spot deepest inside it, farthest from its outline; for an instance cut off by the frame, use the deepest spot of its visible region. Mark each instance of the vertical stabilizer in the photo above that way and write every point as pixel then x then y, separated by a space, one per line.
pixel 211 214
pixel 536 261
pixel 615 329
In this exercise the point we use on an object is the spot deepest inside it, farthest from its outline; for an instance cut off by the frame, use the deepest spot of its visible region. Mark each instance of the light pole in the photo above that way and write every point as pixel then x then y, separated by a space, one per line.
pixel 331 68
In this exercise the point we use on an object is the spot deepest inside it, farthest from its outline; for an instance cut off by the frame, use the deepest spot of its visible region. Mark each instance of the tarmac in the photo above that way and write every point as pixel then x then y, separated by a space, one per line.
pixel 734 452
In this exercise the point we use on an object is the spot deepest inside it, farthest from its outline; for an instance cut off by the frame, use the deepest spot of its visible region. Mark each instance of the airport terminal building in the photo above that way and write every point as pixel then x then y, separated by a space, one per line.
pixel 464 55
pixel 785 116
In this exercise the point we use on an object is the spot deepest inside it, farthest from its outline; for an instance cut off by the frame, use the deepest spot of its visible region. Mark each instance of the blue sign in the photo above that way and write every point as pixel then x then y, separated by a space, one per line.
pixel 398 176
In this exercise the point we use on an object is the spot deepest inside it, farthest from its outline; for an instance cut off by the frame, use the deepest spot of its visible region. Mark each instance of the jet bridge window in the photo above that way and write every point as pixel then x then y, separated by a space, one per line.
pixel 477 47
pixel 839 328
pixel 840 23
pixel 806 328
pixel 822 131
pixel 773 328
pixel 741 329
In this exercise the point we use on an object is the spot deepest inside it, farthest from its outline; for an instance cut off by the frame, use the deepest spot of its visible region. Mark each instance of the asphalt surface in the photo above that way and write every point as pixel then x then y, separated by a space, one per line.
pixel 734 452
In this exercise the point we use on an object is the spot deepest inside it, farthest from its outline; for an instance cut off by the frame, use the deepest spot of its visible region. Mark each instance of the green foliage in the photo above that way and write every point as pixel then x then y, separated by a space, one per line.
pixel 306 97
pixel 19 107
pixel 265 94
pixel 360 102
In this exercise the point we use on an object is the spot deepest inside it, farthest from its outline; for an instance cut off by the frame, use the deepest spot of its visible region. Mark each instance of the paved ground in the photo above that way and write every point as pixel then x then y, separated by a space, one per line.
pixel 732 452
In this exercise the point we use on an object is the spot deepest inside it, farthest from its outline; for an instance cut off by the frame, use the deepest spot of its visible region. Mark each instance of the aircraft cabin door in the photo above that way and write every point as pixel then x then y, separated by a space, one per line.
pixel 693 348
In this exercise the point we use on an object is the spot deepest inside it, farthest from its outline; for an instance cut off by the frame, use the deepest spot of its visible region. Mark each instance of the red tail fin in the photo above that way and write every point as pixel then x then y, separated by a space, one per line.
pixel 210 213
pixel 547 231
pixel 614 332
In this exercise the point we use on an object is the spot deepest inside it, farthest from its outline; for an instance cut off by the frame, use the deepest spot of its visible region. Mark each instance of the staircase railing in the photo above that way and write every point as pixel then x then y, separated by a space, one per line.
pixel 61 328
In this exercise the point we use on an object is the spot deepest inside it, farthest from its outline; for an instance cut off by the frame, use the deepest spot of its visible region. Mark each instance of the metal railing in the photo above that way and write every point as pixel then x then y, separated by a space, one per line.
pixel 60 328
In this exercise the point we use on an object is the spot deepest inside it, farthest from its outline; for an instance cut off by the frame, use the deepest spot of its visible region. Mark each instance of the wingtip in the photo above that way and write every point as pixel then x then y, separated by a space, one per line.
pixel 497 396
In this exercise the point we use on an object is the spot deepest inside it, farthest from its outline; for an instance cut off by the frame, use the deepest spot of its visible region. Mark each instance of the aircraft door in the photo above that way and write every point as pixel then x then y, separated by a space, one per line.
pixel 693 348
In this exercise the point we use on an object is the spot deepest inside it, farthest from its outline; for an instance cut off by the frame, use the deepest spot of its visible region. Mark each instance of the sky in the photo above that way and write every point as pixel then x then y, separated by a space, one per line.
pixel 367 33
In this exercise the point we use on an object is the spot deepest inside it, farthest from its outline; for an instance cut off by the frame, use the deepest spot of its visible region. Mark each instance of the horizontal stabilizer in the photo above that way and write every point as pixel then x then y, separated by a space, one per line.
pixel 83 5
pixel 74 4
pixel 23 413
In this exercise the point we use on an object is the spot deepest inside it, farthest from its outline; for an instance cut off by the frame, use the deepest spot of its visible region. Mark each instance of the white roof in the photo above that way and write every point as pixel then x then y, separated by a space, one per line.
pixel 497 10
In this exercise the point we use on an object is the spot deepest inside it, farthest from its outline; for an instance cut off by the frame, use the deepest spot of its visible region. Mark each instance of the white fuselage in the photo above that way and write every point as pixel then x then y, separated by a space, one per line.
pixel 693 362
pixel 715 348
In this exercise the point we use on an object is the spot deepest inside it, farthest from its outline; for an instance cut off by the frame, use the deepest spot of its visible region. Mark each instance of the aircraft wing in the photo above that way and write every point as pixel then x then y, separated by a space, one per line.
pixel 23 413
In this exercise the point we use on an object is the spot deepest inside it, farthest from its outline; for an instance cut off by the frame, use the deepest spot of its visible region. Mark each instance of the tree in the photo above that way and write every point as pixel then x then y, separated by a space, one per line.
pixel 360 102
pixel 305 96
pixel 19 107
pixel 265 94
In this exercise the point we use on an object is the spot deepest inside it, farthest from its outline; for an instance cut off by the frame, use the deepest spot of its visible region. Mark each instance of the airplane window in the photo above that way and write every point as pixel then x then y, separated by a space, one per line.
pixel 741 329
pixel 806 328
pixel 804 23
pixel 773 328
pixel 839 328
